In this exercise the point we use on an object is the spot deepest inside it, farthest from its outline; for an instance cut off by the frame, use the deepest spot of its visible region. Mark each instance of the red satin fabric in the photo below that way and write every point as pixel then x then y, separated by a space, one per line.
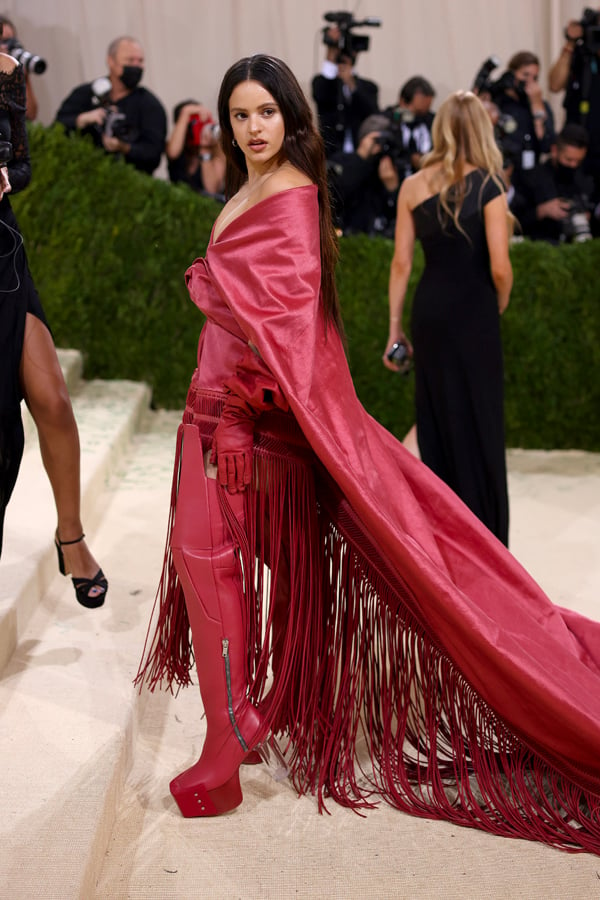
pixel 535 664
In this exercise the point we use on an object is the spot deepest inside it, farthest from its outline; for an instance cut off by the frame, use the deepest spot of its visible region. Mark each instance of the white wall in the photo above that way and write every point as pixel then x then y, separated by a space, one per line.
pixel 190 43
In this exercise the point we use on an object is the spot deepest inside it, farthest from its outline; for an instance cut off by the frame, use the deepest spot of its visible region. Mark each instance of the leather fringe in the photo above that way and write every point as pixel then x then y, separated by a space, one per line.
pixel 364 702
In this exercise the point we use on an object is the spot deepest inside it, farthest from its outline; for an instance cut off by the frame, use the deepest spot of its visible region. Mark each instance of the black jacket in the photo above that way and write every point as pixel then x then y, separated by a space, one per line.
pixel 337 113
pixel 145 123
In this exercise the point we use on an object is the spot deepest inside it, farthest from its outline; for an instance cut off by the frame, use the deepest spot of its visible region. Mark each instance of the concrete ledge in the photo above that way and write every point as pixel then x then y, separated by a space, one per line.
pixel 69 711
pixel 107 414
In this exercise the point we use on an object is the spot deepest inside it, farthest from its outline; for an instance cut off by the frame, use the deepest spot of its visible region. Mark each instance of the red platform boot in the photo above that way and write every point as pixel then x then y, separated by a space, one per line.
pixel 209 571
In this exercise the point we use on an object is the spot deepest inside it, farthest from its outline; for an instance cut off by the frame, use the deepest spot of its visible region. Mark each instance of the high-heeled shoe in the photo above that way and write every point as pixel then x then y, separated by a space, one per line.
pixel 83 586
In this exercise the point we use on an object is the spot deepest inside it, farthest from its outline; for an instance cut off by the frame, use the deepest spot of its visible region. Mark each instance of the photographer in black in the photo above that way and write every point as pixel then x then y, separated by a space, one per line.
pixel 364 183
pixel 342 98
pixel 557 192
pixel 120 116
pixel 413 118
pixel 518 96
pixel 577 70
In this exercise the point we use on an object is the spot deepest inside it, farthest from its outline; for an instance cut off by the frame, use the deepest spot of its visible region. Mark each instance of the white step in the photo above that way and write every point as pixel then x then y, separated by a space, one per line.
pixel 67 701
pixel 107 414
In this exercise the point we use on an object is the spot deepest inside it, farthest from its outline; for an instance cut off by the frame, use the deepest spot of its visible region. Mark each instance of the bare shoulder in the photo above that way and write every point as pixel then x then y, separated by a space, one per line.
pixel 412 187
pixel 283 179
pixel 422 185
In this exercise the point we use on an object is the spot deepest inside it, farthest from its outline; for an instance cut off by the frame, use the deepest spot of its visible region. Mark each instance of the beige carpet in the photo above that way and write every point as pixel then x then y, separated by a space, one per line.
pixel 278 846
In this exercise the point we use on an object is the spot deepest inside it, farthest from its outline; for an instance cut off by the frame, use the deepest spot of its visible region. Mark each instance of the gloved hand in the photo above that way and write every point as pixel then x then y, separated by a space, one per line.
pixel 251 391
pixel 232 444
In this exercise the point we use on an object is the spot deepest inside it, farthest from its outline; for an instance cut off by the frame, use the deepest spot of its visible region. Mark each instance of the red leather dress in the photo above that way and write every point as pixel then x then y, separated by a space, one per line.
pixel 414 659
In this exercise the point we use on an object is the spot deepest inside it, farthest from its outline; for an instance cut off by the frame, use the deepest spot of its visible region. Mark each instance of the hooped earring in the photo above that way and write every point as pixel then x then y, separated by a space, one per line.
pixel 234 143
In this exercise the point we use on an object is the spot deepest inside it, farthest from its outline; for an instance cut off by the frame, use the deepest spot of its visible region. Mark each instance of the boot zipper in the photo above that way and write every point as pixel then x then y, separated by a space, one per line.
pixel 238 733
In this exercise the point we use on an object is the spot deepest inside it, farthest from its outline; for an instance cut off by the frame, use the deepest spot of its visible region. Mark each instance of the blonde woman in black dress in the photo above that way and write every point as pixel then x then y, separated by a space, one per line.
pixel 456 206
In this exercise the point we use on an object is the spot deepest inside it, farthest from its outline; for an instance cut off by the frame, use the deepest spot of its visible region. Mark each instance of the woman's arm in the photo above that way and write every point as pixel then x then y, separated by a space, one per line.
pixel 404 244
pixel 559 73
pixel 496 232
pixel 32 104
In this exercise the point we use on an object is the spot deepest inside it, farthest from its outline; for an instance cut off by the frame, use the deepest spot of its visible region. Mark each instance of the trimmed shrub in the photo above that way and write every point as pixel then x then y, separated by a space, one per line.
pixel 109 246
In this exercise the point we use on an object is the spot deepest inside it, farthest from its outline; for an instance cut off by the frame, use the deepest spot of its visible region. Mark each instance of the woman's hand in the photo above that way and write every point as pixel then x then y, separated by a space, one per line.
pixel 232 448
pixel 5 185
pixel 398 338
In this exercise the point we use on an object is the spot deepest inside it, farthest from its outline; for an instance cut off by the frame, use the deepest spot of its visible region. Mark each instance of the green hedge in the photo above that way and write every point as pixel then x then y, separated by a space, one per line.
pixel 108 248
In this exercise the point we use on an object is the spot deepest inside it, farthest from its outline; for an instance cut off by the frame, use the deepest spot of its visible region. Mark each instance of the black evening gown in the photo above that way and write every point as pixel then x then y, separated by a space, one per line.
pixel 18 295
pixel 455 331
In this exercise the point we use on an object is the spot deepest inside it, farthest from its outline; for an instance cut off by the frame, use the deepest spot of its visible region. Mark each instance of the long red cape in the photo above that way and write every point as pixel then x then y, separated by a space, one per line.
pixel 536 665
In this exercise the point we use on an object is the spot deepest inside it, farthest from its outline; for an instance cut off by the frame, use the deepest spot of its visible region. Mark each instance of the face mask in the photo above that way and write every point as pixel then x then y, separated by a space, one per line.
pixel 131 76
pixel 565 174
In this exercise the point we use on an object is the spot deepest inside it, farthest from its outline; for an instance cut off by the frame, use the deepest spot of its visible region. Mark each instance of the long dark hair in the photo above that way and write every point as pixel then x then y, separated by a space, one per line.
pixel 302 147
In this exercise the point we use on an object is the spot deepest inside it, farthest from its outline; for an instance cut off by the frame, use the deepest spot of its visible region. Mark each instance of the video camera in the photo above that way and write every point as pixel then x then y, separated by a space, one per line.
pixel 348 44
pixel 590 23
pixel 115 123
pixel 576 225
pixel 483 84
pixel 391 140
pixel 29 61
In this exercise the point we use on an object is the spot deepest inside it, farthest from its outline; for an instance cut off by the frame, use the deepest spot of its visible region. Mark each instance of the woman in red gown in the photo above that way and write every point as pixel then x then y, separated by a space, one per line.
pixel 345 606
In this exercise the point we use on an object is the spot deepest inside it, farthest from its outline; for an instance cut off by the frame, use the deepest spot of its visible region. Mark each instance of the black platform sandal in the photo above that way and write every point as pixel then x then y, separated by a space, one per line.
pixel 83 586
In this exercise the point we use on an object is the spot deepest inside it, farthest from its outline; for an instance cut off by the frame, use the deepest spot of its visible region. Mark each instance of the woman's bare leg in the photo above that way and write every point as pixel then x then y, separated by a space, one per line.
pixel 48 400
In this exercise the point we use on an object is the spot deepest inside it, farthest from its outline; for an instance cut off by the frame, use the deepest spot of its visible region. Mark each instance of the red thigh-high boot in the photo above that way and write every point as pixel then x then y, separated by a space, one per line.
pixel 207 565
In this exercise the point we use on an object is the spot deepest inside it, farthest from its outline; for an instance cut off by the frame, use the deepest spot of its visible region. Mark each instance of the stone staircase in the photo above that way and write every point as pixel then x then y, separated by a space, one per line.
pixel 69 709
pixel 86 760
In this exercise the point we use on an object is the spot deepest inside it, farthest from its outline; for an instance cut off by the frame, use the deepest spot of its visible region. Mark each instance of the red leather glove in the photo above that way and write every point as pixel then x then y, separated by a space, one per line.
pixel 232 445
pixel 251 391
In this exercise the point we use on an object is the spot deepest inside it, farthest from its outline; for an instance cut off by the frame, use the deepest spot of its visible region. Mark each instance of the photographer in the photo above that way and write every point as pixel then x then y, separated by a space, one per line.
pixel 518 95
pixel 194 152
pixel 557 192
pixel 577 71
pixel 8 44
pixel 365 183
pixel 343 99
pixel 122 117
pixel 413 116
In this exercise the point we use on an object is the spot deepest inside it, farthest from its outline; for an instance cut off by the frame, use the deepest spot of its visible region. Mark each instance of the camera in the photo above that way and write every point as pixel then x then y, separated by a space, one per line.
pixel 483 84
pixel 348 43
pixel 115 123
pixel 6 152
pixel 201 132
pixel 590 23
pixel 504 127
pixel 29 61
pixel 576 226
pixel 399 355
pixel 391 143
